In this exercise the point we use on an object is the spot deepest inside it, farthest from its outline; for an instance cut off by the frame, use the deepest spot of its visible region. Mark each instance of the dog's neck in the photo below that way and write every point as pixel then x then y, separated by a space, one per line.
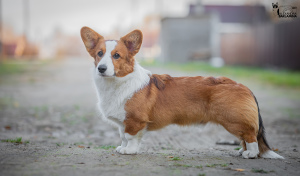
pixel 122 88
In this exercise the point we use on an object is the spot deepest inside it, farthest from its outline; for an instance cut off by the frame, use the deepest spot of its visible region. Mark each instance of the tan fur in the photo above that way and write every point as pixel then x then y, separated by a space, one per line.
pixel 93 42
pixel 126 47
pixel 193 100
pixel 123 65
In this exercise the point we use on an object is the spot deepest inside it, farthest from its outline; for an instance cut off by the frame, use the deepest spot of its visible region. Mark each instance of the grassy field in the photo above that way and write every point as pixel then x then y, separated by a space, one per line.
pixel 276 77
pixel 13 66
pixel 285 78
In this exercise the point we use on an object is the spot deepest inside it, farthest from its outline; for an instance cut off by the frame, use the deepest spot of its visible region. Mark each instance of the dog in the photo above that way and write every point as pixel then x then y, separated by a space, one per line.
pixel 138 101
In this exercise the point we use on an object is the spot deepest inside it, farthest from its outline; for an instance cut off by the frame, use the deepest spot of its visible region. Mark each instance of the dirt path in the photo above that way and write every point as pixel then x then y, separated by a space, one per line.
pixel 53 107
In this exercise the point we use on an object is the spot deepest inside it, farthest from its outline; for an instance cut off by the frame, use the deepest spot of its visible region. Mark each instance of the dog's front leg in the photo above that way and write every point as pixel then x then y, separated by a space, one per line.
pixel 122 136
pixel 133 132
pixel 133 143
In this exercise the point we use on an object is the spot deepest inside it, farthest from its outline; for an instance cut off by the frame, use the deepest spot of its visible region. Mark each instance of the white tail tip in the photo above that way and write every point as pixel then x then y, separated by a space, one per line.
pixel 272 155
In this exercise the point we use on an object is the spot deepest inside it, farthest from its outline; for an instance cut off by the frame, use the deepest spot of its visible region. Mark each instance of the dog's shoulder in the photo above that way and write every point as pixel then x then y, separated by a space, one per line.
pixel 217 80
pixel 160 80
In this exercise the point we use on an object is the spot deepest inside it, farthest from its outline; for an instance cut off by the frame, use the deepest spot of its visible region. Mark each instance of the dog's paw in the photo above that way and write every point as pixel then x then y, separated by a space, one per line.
pixel 119 148
pixel 241 151
pixel 249 154
pixel 127 151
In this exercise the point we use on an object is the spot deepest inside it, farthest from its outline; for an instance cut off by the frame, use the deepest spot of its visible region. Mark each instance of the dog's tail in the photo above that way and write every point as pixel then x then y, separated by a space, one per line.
pixel 264 149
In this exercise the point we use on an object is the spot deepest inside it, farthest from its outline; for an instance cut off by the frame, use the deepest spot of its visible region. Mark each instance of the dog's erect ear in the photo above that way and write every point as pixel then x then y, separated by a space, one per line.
pixel 90 39
pixel 133 42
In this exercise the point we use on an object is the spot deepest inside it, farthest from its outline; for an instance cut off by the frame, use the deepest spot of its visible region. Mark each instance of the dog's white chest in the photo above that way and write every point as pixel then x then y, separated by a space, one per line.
pixel 113 93
pixel 112 100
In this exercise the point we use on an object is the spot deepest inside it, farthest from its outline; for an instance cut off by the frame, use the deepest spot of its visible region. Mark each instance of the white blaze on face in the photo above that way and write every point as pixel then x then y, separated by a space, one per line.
pixel 107 59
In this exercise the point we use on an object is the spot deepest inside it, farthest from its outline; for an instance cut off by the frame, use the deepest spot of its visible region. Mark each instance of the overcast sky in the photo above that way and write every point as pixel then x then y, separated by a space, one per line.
pixel 70 15
pixel 101 15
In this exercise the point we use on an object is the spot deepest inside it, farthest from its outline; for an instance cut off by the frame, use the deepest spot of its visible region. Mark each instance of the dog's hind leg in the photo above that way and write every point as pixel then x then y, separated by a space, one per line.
pixel 252 150
pixel 247 133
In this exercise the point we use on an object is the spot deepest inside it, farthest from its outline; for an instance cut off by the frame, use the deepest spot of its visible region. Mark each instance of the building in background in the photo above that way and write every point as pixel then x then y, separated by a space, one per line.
pixel 151 33
pixel 190 38
pixel 240 34
pixel 14 45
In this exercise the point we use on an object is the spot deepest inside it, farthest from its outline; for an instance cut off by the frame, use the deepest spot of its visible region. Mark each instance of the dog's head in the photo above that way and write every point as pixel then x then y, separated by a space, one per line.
pixel 112 57
pixel 275 5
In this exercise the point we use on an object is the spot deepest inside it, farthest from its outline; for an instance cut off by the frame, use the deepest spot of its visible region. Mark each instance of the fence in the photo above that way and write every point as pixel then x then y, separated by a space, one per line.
pixel 267 45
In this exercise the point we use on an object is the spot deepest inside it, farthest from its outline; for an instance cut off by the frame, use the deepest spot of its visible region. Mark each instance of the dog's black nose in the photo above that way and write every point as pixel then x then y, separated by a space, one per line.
pixel 102 68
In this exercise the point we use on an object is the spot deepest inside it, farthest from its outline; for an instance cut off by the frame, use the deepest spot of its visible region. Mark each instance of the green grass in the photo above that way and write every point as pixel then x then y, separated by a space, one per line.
pixel 183 165
pixel 11 67
pixel 105 147
pixel 176 158
pixel 60 144
pixel 6 101
pixel 224 165
pixel 18 140
pixel 215 165
pixel 78 143
pixel 275 77
pixel 187 165
pixel 291 112
pixel 238 148
pixel 76 107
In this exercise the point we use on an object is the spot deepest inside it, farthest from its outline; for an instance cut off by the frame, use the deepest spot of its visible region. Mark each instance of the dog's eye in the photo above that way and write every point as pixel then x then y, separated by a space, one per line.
pixel 100 53
pixel 116 56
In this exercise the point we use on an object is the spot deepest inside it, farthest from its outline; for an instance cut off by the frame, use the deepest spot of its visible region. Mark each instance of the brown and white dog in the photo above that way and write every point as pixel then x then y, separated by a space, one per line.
pixel 137 101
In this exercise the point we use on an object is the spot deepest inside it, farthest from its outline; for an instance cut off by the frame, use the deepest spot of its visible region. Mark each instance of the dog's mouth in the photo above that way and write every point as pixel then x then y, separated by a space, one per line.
pixel 106 76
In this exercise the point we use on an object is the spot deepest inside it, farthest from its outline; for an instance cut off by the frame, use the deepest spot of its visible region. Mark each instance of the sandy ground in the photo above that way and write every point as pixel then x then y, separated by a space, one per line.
pixel 53 107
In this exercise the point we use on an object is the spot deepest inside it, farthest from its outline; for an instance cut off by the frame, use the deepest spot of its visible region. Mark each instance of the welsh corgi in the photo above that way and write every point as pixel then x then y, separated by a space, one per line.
pixel 138 101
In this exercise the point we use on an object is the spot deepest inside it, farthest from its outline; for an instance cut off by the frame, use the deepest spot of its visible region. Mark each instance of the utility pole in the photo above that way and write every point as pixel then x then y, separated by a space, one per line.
pixel 1 33
pixel 26 17
pixel 133 10
pixel 159 5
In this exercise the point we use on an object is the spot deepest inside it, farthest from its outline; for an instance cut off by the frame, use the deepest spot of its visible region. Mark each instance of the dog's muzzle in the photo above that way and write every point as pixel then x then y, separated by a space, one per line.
pixel 102 68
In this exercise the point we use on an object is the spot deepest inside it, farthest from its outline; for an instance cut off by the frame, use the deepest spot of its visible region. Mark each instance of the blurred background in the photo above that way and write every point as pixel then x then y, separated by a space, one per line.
pixel 233 32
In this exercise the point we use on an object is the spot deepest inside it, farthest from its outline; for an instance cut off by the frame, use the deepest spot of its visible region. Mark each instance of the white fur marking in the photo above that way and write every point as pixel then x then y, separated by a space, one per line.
pixel 271 154
pixel 252 150
pixel 241 150
pixel 124 140
pixel 107 60
pixel 133 143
